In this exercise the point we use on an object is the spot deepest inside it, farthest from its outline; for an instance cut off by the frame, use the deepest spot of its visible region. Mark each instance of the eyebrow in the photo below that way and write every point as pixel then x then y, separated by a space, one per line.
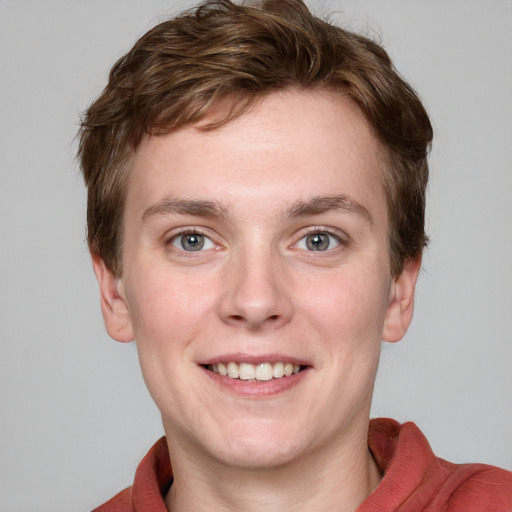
pixel 322 204
pixel 200 208
pixel 204 208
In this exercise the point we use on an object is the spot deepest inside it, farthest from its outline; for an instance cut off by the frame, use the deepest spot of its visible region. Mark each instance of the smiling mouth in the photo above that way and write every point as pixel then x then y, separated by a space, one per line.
pixel 255 372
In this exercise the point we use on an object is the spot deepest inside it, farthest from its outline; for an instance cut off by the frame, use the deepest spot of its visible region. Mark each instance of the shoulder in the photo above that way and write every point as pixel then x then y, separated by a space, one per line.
pixel 414 478
pixel 480 487
pixel 121 502
pixel 152 481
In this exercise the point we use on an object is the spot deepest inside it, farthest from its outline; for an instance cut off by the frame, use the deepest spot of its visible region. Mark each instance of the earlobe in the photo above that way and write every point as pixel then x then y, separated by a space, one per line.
pixel 113 302
pixel 401 304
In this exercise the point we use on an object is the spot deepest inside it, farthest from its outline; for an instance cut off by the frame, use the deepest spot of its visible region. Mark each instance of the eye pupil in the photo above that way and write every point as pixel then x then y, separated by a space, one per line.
pixel 192 242
pixel 317 242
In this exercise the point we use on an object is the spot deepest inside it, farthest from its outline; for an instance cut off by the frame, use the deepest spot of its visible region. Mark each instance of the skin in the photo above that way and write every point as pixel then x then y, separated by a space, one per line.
pixel 256 291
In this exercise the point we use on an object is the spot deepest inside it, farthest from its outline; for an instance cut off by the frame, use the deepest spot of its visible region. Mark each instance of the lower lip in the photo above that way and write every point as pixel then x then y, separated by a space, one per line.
pixel 257 389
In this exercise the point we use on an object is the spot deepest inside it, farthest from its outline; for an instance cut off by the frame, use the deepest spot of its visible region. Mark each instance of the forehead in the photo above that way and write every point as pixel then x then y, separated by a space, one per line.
pixel 290 146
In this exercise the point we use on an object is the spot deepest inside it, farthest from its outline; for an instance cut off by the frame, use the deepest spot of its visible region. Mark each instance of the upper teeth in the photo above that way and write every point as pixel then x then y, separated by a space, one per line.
pixel 262 371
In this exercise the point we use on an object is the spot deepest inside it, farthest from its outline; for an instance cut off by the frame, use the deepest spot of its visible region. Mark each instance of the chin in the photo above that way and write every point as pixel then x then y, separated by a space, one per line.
pixel 254 456
pixel 267 446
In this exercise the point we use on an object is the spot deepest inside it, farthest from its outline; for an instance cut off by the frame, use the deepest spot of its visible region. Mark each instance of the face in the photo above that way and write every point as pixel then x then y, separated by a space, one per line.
pixel 256 281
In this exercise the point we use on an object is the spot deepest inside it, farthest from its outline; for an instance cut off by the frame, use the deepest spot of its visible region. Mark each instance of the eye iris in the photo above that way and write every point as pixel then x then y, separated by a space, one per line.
pixel 317 242
pixel 192 242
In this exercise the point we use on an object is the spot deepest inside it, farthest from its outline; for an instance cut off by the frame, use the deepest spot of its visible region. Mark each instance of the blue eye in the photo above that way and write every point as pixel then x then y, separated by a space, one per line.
pixel 192 242
pixel 318 241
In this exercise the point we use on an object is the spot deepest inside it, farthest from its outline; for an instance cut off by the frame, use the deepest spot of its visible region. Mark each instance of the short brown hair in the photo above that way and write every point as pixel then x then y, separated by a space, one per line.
pixel 182 68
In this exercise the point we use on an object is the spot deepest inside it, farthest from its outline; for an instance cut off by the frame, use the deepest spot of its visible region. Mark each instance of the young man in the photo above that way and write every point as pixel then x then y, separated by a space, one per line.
pixel 256 183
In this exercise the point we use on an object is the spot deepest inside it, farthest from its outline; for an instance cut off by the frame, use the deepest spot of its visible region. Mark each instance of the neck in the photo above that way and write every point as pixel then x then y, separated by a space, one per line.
pixel 336 478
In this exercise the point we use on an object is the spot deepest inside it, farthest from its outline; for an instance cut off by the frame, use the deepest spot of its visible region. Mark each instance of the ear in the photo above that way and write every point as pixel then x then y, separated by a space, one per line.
pixel 401 302
pixel 113 302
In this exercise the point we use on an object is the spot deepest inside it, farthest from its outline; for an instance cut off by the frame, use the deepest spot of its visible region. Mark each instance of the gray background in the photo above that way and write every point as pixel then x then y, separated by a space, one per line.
pixel 76 418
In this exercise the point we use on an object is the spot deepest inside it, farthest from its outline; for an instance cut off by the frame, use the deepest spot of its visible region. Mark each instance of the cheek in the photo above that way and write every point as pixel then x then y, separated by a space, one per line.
pixel 169 316
pixel 167 308
pixel 350 306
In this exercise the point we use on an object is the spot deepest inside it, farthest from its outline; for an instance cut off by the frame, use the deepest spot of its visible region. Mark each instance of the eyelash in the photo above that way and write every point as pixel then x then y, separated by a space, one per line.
pixel 174 238
pixel 340 239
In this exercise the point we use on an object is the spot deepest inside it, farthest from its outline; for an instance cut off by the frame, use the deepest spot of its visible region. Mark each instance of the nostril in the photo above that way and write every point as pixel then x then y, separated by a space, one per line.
pixel 241 318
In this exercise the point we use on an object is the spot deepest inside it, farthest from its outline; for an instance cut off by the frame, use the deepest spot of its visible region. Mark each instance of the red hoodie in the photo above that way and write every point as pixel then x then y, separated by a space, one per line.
pixel 414 479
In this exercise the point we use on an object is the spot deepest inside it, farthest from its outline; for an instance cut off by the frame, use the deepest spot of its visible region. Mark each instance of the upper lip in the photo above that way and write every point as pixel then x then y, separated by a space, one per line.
pixel 240 357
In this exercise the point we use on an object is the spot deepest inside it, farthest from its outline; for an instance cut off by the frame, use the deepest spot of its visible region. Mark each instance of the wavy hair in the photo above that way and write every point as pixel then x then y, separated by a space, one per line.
pixel 222 53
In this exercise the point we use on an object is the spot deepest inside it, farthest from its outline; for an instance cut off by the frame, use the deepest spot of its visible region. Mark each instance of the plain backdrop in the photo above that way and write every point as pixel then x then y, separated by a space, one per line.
pixel 76 418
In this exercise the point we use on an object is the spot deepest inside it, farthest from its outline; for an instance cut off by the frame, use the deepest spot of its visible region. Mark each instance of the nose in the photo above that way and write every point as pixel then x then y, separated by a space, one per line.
pixel 256 292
